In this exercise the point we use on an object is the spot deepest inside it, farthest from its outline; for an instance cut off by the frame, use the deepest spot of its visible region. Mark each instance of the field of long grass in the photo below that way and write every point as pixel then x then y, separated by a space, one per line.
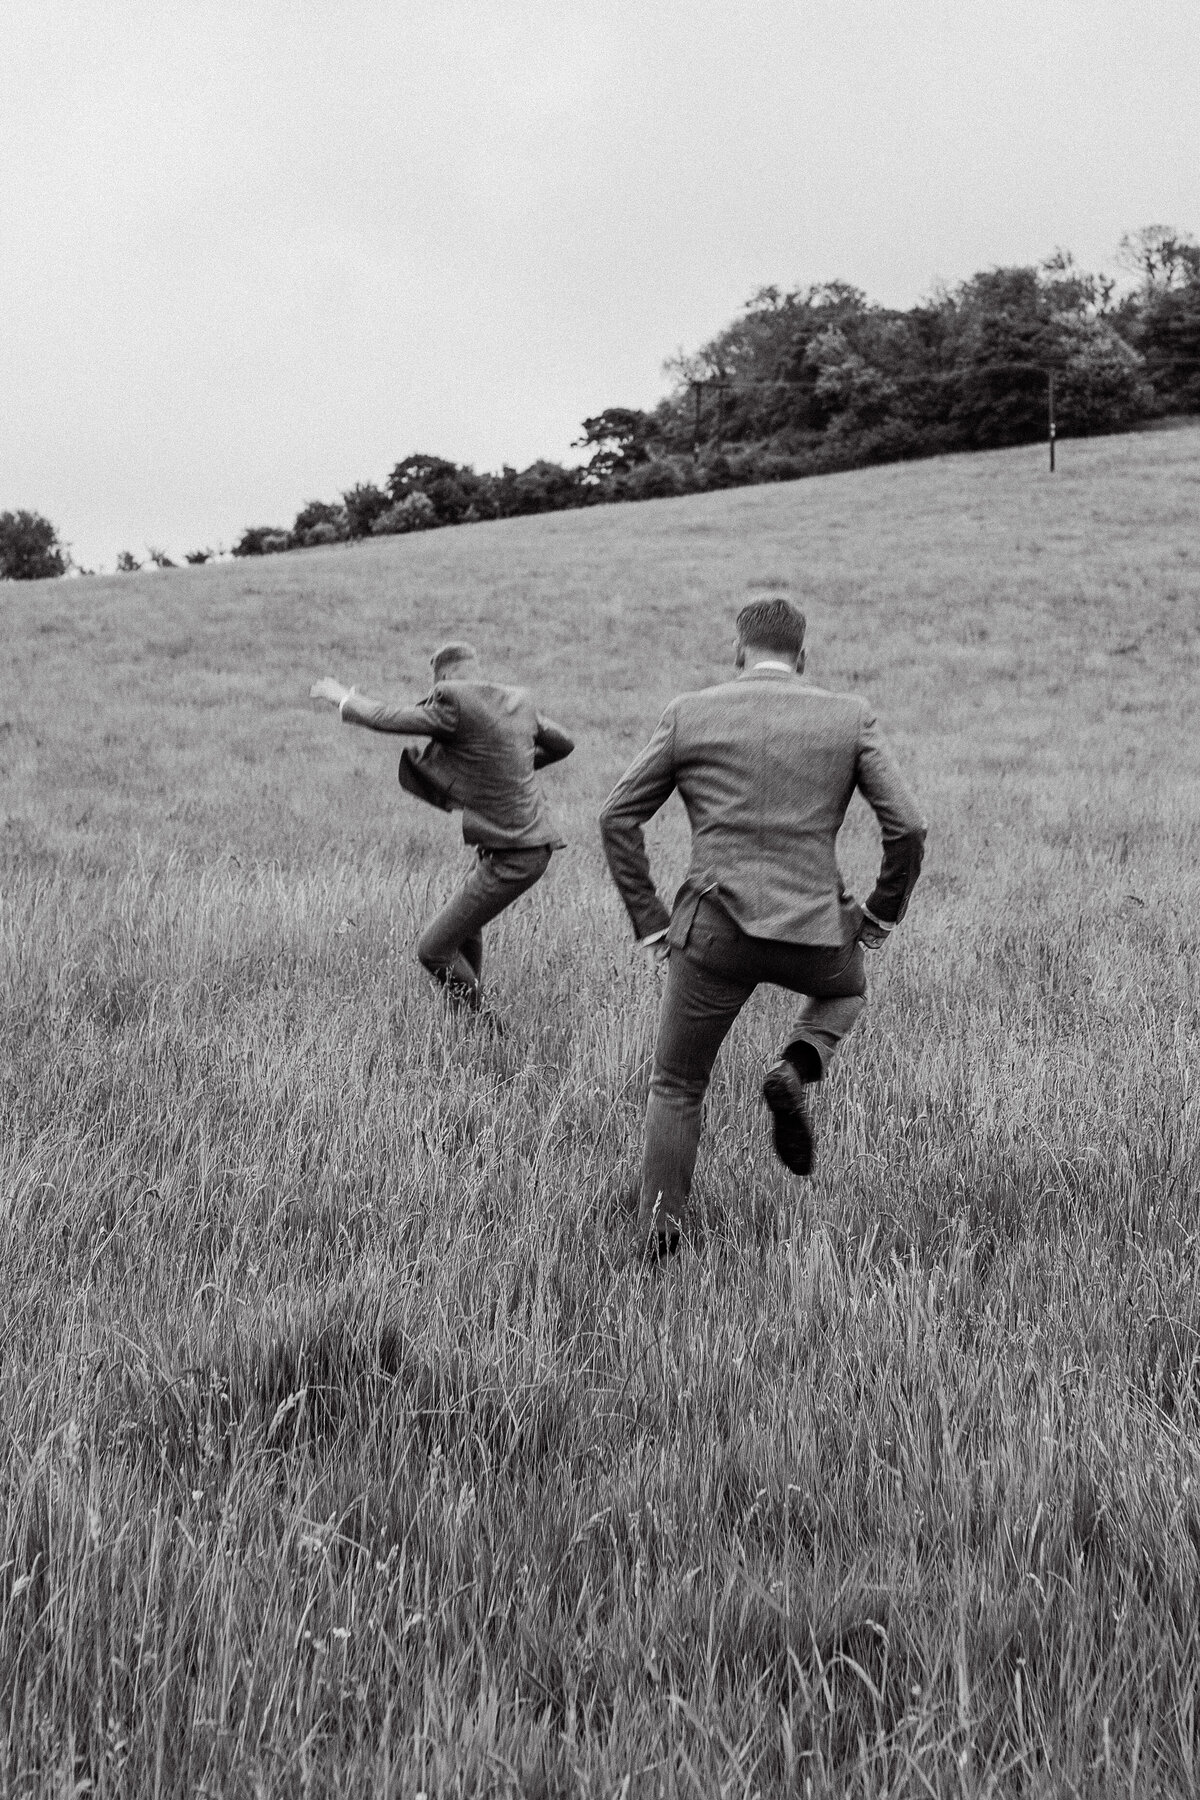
pixel 347 1446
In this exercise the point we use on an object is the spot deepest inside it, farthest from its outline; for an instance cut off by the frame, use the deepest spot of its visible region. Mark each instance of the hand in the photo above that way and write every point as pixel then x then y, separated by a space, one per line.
pixel 873 936
pixel 328 689
pixel 656 951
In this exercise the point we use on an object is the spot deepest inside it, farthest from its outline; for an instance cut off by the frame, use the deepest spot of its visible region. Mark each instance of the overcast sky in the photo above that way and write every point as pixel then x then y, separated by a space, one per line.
pixel 253 252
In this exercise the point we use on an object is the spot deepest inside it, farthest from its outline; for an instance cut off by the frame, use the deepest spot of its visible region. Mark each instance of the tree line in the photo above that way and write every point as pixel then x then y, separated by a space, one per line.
pixel 806 381
pixel 815 379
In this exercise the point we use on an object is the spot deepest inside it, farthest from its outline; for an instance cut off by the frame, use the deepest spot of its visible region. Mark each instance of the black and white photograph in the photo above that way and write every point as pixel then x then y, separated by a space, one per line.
pixel 600 900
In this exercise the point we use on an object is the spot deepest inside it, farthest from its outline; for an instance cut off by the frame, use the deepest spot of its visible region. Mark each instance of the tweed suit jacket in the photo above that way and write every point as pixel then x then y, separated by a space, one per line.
pixel 766 766
pixel 486 743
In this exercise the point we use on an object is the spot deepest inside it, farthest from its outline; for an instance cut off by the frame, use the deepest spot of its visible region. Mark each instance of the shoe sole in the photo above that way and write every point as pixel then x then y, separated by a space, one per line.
pixel 793 1133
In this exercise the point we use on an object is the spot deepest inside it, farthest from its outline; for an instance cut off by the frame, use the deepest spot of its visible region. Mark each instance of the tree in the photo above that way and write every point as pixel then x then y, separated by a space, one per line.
pixel 542 487
pixel 451 491
pixel 261 540
pixel 1161 255
pixel 857 394
pixel 1101 383
pixel 1070 289
pixel 618 437
pixel 159 558
pixel 29 548
pixel 363 504
pixel 1005 340
pixel 1167 332
pixel 416 512
pixel 320 522
pixel 127 563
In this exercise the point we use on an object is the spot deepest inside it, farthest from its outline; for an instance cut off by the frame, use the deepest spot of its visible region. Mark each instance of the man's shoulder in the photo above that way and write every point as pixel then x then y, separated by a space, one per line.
pixel 773 695
pixel 849 703
pixel 491 694
pixel 487 702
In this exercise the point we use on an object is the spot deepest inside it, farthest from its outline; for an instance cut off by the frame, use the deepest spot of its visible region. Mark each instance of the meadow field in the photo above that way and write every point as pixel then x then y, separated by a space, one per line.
pixel 348 1447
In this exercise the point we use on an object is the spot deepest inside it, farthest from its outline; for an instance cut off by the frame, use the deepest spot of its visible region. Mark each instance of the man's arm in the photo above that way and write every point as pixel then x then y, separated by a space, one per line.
pixel 436 717
pixel 647 783
pixel 900 823
pixel 550 743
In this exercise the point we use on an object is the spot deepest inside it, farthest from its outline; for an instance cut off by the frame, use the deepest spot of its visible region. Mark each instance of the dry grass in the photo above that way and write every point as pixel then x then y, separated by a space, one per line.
pixel 347 1448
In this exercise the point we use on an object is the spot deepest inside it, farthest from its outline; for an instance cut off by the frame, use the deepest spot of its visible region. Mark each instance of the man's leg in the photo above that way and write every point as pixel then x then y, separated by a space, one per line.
pixel 699 1006
pixel 451 948
pixel 472 952
pixel 834 985
pixel 834 997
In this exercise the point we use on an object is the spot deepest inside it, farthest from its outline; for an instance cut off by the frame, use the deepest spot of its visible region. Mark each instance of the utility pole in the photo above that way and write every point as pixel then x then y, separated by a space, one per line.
pixel 1053 429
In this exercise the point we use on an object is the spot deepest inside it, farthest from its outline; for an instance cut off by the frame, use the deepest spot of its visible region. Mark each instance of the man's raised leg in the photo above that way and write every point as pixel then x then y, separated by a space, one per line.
pixel 834 999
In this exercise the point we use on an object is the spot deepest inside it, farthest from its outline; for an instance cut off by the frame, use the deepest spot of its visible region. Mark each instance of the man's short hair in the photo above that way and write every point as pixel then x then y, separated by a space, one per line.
pixel 773 624
pixel 446 656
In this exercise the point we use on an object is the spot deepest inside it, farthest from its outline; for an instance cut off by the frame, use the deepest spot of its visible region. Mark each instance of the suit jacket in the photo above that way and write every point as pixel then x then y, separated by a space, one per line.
pixel 766 767
pixel 486 742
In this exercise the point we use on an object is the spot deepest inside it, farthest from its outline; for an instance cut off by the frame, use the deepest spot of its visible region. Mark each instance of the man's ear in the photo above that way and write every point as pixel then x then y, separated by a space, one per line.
pixel 800 662
pixel 739 656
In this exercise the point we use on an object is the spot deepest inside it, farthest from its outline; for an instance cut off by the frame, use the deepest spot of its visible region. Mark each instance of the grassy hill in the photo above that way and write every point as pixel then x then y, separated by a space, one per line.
pixel 349 1448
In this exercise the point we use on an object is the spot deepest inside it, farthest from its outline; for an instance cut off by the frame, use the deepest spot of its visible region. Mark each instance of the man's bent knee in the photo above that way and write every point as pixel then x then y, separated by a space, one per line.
pixel 435 961
pixel 817 1035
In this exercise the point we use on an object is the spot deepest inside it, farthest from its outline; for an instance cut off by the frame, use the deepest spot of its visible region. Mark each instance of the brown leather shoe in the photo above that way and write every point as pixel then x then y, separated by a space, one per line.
pixel 783 1092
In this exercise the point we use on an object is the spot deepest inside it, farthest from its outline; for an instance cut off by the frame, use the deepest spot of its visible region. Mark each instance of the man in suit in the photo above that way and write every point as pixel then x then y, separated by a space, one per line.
pixel 485 744
pixel 766 766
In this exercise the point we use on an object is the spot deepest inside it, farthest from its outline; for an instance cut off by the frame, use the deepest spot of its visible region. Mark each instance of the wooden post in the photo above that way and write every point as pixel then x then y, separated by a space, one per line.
pixel 1053 429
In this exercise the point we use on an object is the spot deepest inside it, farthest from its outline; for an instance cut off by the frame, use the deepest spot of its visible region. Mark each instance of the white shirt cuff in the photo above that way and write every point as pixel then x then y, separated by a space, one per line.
pixel 655 936
pixel 882 923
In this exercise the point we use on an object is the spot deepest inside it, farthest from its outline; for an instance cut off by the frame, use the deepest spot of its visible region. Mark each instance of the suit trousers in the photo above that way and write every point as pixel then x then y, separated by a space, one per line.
pixel 451 947
pixel 709 980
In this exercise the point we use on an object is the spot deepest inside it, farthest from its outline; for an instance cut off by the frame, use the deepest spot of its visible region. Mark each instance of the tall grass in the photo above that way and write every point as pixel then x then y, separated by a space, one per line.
pixel 350 1447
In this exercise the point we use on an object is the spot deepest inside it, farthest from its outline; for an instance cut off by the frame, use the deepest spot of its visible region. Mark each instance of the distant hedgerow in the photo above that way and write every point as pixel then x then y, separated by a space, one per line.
pixel 812 380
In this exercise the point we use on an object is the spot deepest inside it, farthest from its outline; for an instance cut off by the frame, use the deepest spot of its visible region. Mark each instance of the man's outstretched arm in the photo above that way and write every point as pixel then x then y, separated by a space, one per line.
pixel 647 783
pixel 550 744
pixel 900 823
pixel 436 717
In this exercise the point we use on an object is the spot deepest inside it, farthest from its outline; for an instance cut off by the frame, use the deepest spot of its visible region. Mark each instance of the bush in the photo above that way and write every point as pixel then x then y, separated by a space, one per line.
pixel 450 490
pixel 362 505
pixel 321 516
pixel 654 480
pixel 260 540
pixel 324 533
pixel 29 548
pixel 542 487
pixel 415 513
pixel 1103 385
pixel 1169 338
pixel 127 563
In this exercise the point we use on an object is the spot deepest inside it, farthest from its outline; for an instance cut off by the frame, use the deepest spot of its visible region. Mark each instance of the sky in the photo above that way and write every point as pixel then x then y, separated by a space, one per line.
pixel 251 253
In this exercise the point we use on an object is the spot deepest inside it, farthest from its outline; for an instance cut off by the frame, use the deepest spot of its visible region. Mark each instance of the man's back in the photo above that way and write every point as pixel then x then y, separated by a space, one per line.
pixel 766 767
pixel 487 741
pixel 491 756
